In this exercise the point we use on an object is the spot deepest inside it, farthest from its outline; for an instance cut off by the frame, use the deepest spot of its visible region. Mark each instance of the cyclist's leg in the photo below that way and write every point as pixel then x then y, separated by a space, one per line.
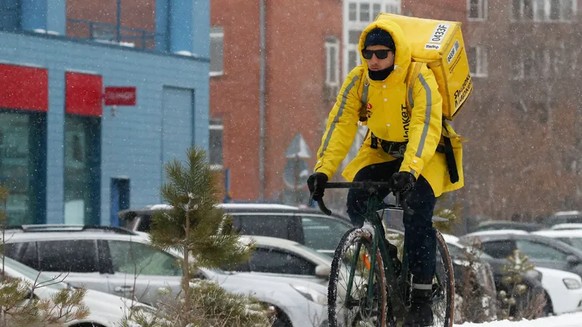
pixel 420 237
pixel 358 198
pixel 420 244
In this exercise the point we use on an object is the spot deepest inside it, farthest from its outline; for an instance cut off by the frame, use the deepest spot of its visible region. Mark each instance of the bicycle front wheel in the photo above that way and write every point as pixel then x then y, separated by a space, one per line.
pixel 443 299
pixel 357 284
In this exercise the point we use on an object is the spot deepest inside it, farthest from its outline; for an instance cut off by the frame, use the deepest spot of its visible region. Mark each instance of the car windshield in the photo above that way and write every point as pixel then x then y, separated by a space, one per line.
pixel 18 270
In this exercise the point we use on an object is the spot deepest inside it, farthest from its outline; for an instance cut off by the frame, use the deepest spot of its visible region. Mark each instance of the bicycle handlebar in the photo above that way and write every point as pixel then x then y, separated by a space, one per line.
pixel 372 187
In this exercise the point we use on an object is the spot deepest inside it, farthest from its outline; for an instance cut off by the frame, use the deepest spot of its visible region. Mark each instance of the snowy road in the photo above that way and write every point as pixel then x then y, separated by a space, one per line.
pixel 565 320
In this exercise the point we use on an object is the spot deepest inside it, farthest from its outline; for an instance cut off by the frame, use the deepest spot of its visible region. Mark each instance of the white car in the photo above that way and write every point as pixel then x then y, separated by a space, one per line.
pixel 282 257
pixel 572 237
pixel 104 309
pixel 107 259
pixel 563 288
pixel 302 303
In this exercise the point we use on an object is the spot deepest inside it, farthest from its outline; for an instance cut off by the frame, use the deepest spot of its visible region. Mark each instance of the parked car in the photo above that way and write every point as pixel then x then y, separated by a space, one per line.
pixel 281 257
pixel 562 217
pixel 122 262
pixel 566 226
pixel 306 226
pixel 105 310
pixel 470 263
pixel 563 289
pixel 507 224
pixel 541 251
pixel 571 237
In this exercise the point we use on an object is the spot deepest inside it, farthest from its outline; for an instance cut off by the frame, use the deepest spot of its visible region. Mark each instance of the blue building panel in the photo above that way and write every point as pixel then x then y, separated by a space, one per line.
pixel 135 140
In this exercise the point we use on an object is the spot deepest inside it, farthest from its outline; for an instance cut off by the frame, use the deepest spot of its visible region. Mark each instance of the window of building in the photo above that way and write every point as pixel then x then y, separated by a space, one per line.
pixel 332 66
pixel 358 14
pixel 22 165
pixel 477 9
pixel 216 51
pixel 543 10
pixel 478 61
pixel 82 169
pixel 215 134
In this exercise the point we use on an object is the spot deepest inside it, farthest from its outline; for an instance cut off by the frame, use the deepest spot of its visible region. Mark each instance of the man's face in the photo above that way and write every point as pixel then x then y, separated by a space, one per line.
pixel 375 63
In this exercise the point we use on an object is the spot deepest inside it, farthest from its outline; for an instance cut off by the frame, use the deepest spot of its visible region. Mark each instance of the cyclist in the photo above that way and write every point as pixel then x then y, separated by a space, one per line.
pixel 400 147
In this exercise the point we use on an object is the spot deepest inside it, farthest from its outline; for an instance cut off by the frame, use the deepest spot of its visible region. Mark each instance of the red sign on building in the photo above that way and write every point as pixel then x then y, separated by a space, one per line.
pixel 120 96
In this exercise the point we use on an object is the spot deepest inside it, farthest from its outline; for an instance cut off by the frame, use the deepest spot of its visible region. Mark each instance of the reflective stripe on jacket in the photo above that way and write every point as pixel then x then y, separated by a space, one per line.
pixel 389 119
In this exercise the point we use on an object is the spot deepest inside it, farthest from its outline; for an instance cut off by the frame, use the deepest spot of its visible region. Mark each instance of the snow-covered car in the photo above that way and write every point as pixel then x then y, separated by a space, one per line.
pixel 306 226
pixel 564 290
pixel 105 310
pixel 572 237
pixel 469 263
pixel 282 257
pixel 296 302
pixel 124 263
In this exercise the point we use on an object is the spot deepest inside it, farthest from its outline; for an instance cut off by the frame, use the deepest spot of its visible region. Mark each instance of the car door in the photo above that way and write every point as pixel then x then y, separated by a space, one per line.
pixel 142 271
pixel 323 233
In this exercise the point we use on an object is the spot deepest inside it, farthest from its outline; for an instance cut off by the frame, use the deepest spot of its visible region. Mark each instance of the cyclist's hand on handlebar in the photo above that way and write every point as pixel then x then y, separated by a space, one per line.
pixel 403 182
pixel 316 184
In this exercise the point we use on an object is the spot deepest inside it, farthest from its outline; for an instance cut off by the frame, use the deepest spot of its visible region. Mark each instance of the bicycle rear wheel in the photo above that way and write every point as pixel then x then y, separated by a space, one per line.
pixel 443 299
pixel 356 297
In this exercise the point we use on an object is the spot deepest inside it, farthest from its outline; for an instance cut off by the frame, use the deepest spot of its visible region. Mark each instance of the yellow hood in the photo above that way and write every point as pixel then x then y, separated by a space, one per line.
pixel 403 52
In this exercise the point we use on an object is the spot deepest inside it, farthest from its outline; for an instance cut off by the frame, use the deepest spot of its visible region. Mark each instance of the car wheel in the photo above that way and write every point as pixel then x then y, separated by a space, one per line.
pixel 282 320
pixel 548 309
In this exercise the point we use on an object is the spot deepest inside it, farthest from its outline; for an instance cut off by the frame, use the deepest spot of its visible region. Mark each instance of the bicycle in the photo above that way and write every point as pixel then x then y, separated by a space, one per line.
pixel 365 288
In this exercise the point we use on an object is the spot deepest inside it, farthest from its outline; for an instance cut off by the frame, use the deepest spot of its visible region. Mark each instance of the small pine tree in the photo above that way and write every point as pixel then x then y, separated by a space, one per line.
pixel 194 226
pixel 520 301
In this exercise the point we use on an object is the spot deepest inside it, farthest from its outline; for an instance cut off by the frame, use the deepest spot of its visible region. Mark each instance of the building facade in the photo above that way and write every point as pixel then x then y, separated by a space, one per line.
pixel 92 109
pixel 522 123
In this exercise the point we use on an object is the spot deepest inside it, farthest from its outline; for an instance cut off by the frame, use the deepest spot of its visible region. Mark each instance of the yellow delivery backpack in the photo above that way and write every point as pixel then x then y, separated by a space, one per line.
pixel 439 44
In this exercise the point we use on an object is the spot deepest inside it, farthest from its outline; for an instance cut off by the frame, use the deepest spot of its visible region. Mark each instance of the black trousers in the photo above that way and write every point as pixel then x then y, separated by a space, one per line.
pixel 419 234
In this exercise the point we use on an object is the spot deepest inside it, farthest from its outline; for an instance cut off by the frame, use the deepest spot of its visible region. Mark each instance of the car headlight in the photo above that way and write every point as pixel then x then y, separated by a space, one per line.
pixel 571 283
pixel 311 294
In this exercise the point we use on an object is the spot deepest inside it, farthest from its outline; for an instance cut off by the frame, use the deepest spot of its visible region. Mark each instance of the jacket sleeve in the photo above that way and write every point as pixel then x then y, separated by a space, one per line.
pixel 425 124
pixel 342 125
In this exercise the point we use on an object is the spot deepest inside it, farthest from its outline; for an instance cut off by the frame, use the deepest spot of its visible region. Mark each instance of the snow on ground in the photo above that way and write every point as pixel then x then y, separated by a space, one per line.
pixel 565 320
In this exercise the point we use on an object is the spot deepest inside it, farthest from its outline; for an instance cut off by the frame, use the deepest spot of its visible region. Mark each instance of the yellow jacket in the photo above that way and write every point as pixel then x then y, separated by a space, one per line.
pixel 390 119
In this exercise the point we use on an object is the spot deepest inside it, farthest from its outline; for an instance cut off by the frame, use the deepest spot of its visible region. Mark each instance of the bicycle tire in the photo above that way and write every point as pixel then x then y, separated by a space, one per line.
pixel 347 311
pixel 443 299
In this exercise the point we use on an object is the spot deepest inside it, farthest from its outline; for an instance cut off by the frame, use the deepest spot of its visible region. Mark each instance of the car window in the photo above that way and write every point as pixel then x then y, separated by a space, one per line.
pixel 68 256
pixel 268 225
pixel 322 232
pixel 275 261
pixel 499 249
pixel 536 250
pixel 24 252
pixel 142 259
pixel 573 241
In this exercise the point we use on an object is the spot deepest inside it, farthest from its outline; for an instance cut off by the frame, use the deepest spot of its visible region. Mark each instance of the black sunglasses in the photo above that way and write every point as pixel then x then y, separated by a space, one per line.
pixel 380 54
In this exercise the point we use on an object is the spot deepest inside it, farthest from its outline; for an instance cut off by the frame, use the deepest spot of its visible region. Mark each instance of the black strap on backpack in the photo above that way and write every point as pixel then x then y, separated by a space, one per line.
pixel 450 158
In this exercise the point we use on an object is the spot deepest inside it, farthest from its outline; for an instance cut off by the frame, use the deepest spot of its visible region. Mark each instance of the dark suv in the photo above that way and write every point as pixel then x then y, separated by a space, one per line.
pixel 305 226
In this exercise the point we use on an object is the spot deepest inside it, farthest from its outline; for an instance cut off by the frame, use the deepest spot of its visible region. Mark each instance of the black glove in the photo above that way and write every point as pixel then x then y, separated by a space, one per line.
pixel 403 182
pixel 316 184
